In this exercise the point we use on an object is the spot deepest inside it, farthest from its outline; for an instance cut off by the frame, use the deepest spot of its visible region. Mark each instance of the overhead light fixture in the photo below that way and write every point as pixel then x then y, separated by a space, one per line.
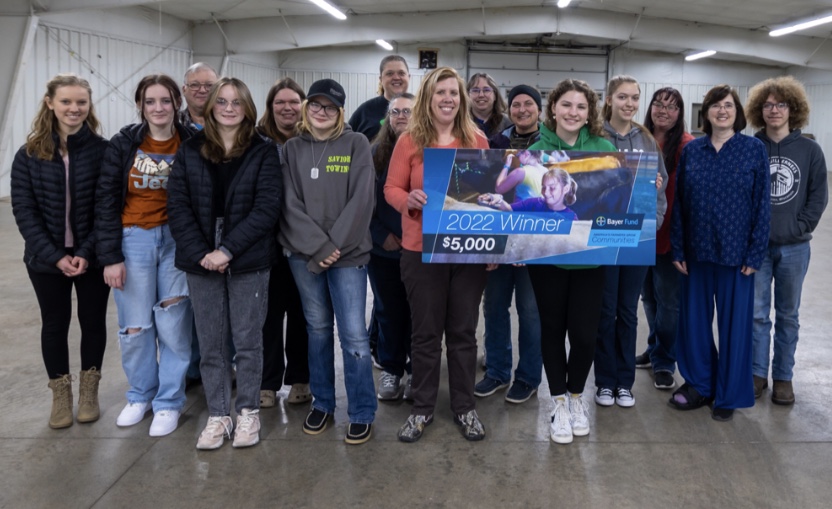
pixel 702 54
pixel 564 3
pixel 384 44
pixel 328 7
pixel 802 24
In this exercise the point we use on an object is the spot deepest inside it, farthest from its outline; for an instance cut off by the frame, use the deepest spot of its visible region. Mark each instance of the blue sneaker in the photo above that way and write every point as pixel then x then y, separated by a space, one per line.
pixel 488 386
pixel 520 392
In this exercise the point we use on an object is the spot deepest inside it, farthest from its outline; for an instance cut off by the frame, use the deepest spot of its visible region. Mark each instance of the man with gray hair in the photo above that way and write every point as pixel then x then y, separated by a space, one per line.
pixel 199 78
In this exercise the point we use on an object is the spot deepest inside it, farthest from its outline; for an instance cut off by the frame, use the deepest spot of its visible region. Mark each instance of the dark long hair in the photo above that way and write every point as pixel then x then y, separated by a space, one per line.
pixel 673 138
pixel 386 138
pixel 267 123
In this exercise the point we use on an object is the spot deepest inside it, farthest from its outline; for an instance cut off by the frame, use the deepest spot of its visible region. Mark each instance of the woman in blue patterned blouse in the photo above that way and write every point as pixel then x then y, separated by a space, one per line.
pixel 719 236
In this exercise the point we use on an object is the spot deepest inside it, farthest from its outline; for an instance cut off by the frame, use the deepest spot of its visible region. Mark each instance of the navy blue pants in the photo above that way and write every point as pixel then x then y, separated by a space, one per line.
pixel 724 375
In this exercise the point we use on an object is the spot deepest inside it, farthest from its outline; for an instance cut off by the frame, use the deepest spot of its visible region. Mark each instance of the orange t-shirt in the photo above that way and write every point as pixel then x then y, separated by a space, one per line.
pixel 405 173
pixel 145 205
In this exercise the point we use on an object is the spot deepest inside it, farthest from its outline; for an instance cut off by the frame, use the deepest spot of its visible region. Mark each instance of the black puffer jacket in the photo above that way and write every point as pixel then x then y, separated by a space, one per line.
pixel 112 188
pixel 39 200
pixel 252 207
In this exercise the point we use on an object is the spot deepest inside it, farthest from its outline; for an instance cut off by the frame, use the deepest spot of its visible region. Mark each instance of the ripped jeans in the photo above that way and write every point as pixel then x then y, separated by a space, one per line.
pixel 338 293
pixel 156 357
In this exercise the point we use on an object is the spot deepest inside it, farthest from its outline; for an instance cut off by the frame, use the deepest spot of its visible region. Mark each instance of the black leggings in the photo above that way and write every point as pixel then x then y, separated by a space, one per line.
pixel 568 301
pixel 54 293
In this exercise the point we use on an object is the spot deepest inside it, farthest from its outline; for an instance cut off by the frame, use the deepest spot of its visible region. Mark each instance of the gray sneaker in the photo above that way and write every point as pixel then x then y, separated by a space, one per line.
pixel 413 428
pixel 470 426
pixel 389 387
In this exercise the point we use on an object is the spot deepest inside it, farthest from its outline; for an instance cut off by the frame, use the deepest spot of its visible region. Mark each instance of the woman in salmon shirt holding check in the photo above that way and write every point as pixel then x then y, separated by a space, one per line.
pixel 444 298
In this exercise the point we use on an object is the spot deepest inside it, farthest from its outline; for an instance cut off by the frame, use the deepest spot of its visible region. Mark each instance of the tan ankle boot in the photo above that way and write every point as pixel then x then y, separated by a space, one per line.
pixel 88 410
pixel 61 402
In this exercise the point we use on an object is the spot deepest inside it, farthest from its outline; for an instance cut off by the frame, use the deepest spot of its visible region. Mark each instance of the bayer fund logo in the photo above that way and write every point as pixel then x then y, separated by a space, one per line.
pixel 601 221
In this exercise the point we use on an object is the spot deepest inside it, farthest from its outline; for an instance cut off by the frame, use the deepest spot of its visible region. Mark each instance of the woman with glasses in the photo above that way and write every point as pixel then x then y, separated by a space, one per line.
pixel 53 181
pixel 615 351
pixel 325 233
pixel 487 105
pixel 719 238
pixel 389 294
pixel 137 250
pixel 660 294
pixel 224 199
pixel 277 125
pixel 444 297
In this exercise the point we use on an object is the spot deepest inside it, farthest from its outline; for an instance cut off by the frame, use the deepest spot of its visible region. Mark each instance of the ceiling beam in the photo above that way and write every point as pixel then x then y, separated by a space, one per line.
pixel 261 35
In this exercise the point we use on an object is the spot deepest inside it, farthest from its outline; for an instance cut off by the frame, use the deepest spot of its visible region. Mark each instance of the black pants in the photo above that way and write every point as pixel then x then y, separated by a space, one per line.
pixel 568 301
pixel 444 298
pixel 284 299
pixel 54 293
pixel 392 314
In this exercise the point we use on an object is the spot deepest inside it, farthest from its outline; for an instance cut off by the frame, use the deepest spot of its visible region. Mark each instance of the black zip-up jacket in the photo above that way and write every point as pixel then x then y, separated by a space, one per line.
pixel 38 189
pixel 112 188
pixel 252 207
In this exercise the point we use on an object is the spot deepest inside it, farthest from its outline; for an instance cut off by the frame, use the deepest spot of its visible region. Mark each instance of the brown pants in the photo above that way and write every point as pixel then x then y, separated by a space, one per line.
pixel 444 298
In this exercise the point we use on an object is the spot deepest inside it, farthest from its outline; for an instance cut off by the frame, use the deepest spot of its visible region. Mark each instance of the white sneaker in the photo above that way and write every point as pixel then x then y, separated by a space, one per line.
pixel 624 397
pixel 561 427
pixel 579 414
pixel 164 423
pixel 215 432
pixel 248 428
pixel 132 414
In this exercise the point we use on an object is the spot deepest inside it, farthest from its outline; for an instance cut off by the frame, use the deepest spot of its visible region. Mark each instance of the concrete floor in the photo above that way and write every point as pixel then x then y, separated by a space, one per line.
pixel 647 456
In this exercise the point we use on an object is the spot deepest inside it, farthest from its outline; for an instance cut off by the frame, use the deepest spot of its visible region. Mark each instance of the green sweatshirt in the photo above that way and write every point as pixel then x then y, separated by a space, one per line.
pixel 585 142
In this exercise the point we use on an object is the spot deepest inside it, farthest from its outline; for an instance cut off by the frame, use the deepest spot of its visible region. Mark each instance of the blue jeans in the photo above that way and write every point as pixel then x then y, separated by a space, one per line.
pixel 392 313
pixel 660 298
pixel 151 280
pixel 615 351
pixel 786 266
pixel 502 283
pixel 230 310
pixel 338 293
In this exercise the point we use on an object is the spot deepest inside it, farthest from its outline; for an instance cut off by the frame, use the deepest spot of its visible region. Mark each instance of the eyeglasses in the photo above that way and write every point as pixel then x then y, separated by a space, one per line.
pixel 223 104
pixel 483 91
pixel 725 106
pixel 395 112
pixel 779 106
pixel 195 86
pixel 329 109
pixel 281 104
pixel 670 108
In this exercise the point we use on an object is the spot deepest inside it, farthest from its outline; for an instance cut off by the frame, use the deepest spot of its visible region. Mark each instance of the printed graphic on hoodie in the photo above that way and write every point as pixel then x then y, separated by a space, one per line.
pixel 147 183
pixel 785 179
pixel 338 164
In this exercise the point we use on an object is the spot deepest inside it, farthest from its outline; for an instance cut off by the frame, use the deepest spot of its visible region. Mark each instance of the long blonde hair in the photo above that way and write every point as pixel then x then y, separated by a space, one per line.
pixel 214 148
pixel 39 142
pixel 421 128
pixel 606 111
pixel 305 126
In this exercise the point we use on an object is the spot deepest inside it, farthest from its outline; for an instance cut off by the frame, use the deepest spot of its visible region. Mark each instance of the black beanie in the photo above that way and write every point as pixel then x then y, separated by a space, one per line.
pixel 529 91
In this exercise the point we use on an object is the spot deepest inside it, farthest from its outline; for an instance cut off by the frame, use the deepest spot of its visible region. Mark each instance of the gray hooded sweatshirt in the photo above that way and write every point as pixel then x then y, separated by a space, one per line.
pixel 798 187
pixel 638 141
pixel 329 199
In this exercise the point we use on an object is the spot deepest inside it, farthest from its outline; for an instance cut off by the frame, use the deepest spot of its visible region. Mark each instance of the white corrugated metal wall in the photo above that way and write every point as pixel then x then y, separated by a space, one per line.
pixel 112 66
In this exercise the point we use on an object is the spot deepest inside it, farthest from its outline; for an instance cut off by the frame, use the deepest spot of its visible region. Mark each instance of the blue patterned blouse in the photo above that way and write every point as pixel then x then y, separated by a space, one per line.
pixel 721 213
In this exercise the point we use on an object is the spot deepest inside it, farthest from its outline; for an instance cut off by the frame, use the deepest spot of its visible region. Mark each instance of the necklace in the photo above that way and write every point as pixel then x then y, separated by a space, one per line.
pixel 315 171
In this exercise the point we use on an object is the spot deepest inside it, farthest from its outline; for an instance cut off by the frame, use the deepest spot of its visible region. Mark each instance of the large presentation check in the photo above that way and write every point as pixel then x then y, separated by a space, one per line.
pixel 546 207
